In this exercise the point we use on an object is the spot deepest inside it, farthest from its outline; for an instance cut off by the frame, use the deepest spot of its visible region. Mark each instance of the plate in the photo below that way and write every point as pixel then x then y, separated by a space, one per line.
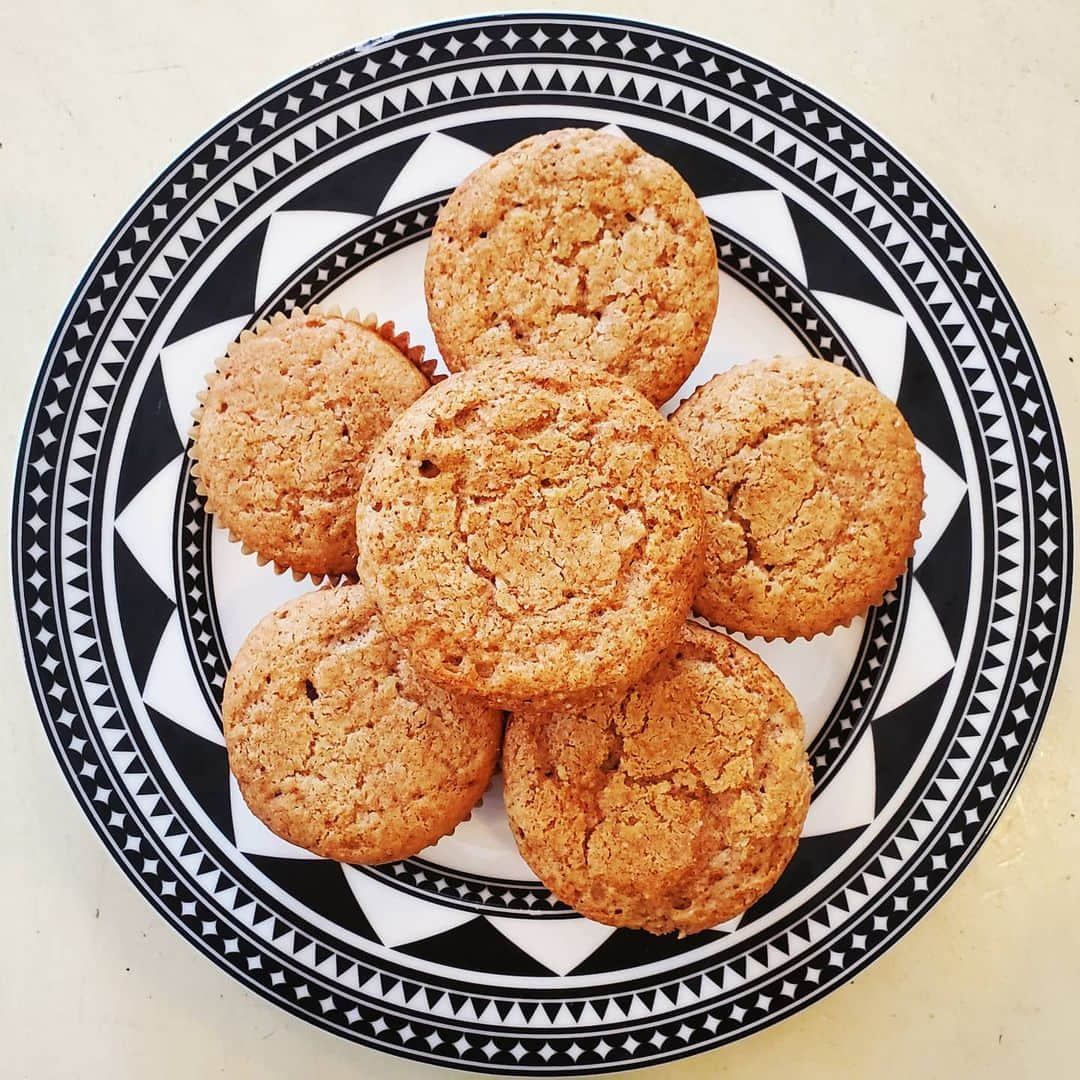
pixel 920 717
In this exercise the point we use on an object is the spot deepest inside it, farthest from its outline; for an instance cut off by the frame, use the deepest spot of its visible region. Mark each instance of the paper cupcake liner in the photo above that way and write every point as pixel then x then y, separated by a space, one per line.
pixel 399 339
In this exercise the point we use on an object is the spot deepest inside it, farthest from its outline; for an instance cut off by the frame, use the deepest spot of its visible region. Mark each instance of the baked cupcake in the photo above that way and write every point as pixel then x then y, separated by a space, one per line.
pixel 531 532
pixel 339 746
pixel 813 495
pixel 673 809
pixel 286 425
pixel 575 243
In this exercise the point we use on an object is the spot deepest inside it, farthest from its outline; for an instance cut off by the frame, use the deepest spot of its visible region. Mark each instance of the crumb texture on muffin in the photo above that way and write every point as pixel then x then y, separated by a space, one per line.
pixel 531 531
pixel 813 494
pixel 339 746
pixel 286 426
pixel 674 809
pixel 575 243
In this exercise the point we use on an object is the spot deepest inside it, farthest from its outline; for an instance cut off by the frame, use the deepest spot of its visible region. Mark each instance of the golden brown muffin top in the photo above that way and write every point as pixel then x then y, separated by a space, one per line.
pixel 286 427
pixel 813 495
pixel 336 742
pixel 575 243
pixel 673 809
pixel 531 531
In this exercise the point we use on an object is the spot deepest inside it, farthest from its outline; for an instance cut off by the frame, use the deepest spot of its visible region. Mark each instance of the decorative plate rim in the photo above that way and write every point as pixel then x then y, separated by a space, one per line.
pixel 1048 680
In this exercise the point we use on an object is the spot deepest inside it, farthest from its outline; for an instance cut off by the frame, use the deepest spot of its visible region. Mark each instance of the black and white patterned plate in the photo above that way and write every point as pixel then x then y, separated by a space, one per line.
pixel 920 716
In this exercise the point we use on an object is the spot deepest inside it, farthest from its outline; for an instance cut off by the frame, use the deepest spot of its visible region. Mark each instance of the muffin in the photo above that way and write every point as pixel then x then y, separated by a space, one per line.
pixel 813 495
pixel 673 809
pixel 531 532
pixel 285 428
pixel 575 243
pixel 339 746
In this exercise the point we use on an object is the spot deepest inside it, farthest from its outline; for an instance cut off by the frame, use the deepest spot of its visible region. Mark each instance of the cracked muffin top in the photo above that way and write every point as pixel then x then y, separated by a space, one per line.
pixel 531 532
pixel 673 809
pixel 575 243
pixel 286 425
pixel 813 493
pixel 339 746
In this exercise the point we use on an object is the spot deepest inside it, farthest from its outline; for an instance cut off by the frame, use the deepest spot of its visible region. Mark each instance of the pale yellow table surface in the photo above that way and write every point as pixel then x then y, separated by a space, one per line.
pixel 96 96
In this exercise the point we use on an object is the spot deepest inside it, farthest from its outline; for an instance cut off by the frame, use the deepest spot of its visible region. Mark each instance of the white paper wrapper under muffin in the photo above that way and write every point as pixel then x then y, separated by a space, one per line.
pixel 400 339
